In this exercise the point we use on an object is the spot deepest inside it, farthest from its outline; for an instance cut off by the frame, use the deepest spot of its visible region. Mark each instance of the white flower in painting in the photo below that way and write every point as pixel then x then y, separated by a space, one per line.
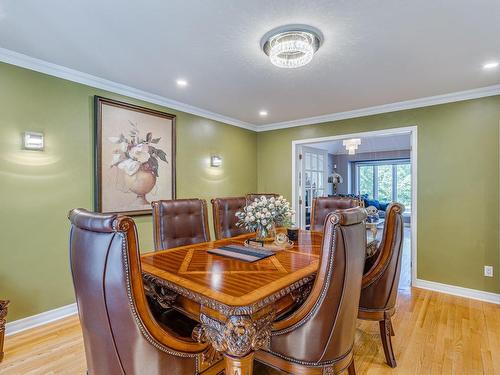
pixel 264 221
pixel 258 215
pixel 268 214
pixel 264 209
pixel 262 198
pixel 140 153
pixel 272 199
pixel 114 139
pixel 116 158
pixel 129 166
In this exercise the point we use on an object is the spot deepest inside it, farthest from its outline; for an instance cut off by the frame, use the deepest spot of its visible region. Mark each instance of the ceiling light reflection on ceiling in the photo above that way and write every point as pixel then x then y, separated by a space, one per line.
pixel 263 113
pixel 182 82
pixel 491 65
pixel 291 46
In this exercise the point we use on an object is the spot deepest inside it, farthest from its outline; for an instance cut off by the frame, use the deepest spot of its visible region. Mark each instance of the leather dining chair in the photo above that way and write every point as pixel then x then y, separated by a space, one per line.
pixel 322 206
pixel 318 337
pixel 179 222
pixel 224 216
pixel 379 287
pixel 120 334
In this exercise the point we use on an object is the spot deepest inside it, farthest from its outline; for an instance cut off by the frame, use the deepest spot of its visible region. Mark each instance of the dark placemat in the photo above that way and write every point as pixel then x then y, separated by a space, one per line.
pixel 242 253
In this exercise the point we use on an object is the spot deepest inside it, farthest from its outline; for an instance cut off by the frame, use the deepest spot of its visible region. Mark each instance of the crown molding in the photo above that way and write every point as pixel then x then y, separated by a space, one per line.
pixel 42 66
pixel 386 108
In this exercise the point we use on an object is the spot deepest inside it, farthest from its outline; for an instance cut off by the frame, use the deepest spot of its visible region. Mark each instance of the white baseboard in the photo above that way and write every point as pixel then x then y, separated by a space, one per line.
pixel 37 320
pixel 458 291
pixel 65 311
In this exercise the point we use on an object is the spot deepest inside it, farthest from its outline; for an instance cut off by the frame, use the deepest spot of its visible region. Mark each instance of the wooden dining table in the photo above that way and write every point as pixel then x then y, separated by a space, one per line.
pixel 235 302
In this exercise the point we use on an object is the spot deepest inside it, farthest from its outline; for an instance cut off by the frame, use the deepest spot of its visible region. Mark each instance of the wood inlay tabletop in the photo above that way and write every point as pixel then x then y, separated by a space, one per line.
pixel 230 281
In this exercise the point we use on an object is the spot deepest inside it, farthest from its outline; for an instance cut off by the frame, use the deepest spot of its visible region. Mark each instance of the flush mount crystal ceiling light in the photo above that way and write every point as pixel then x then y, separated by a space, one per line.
pixel 291 46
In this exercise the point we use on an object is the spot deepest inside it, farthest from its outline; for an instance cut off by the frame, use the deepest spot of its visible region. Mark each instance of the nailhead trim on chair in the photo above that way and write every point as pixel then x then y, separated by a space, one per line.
pixel 320 299
pixel 138 320
pixel 311 364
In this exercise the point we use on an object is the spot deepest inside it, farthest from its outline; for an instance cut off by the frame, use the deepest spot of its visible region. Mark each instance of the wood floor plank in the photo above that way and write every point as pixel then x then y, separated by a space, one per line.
pixel 435 334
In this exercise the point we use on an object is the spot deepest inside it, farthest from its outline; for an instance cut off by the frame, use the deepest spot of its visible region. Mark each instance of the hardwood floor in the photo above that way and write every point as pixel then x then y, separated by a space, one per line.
pixel 435 334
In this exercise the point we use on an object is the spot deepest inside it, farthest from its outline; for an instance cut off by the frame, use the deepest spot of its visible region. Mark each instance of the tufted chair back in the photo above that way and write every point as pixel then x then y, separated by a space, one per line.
pixel 224 212
pixel 180 222
pixel 322 206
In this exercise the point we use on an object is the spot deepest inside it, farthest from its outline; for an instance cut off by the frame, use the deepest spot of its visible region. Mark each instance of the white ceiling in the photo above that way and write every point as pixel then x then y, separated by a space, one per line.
pixel 393 142
pixel 374 52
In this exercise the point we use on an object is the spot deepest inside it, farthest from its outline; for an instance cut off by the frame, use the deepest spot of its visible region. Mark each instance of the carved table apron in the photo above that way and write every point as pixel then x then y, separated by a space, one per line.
pixel 235 302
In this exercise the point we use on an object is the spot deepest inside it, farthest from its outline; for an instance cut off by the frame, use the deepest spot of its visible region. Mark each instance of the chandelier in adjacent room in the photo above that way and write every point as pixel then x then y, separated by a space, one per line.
pixel 351 145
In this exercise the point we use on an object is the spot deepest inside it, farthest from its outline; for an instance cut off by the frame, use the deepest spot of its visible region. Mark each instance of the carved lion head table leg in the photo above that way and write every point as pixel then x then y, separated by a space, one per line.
pixel 238 337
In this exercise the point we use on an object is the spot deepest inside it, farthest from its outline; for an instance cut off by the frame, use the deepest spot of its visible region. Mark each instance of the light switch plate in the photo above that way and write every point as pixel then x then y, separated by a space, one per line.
pixel 488 271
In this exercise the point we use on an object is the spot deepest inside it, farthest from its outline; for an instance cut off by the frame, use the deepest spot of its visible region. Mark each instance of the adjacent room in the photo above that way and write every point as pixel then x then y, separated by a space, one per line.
pixel 375 168
pixel 249 187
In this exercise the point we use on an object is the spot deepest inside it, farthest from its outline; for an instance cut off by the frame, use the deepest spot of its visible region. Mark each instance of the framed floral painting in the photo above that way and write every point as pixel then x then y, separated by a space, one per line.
pixel 134 157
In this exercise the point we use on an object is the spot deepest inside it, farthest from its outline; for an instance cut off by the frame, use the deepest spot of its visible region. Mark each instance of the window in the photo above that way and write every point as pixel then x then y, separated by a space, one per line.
pixel 385 180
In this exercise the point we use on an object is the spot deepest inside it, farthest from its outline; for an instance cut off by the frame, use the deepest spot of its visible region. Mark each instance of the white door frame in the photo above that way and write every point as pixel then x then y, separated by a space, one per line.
pixel 412 131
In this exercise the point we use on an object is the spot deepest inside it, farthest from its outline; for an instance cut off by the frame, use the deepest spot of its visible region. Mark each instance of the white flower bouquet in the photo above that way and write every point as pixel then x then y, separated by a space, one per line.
pixel 263 214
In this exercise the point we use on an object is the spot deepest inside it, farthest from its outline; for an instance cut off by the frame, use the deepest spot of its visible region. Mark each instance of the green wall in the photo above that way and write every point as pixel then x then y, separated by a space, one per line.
pixel 37 189
pixel 458 183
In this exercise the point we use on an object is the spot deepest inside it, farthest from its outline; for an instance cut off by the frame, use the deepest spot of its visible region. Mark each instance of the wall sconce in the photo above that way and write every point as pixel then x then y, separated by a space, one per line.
pixel 33 141
pixel 215 161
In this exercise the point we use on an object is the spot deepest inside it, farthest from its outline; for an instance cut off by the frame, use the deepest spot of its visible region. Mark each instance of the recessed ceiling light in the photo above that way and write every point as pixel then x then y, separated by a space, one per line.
pixel 263 113
pixel 490 65
pixel 182 82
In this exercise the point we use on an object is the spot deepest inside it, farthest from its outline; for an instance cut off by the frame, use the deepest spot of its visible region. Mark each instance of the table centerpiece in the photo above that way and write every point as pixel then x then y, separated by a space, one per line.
pixel 263 215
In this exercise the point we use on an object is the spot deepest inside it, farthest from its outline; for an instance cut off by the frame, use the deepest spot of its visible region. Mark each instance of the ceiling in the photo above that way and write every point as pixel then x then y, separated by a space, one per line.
pixel 393 142
pixel 374 52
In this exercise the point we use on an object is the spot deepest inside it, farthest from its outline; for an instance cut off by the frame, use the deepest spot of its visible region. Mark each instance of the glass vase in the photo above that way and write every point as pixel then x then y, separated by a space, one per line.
pixel 265 234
